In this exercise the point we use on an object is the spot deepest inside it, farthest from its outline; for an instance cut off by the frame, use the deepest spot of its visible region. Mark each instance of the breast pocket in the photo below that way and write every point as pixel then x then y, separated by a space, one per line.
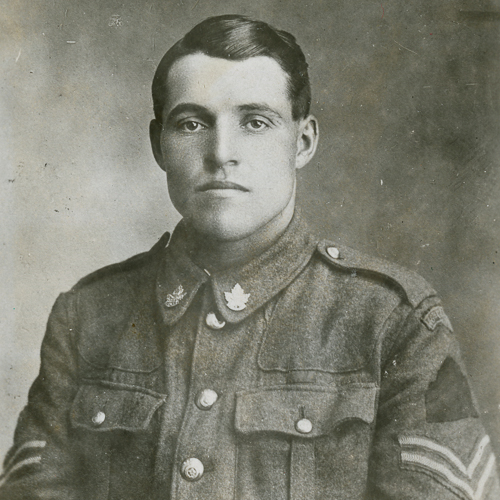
pixel 115 427
pixel 109 406
pixel 287 435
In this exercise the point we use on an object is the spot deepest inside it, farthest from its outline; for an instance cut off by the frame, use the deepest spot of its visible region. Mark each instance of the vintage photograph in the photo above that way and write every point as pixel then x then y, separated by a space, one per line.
pixel 250 250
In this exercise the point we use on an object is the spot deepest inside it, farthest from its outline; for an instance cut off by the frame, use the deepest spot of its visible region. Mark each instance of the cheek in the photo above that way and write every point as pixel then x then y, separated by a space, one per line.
pixel 278 162
pixel 180 160
pixel 275 187
pixel 172 150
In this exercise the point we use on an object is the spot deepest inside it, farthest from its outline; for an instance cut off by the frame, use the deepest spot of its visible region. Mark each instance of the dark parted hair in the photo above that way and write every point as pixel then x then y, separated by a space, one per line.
pixel 236 37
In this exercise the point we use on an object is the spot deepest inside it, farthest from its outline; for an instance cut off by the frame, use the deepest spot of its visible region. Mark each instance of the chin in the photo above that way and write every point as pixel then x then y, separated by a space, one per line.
pixel 227 227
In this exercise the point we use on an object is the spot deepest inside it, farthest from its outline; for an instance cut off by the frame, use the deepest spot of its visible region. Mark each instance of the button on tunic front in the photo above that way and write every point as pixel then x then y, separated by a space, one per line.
pixel 313 372
pixel 222 359
pixel 198 355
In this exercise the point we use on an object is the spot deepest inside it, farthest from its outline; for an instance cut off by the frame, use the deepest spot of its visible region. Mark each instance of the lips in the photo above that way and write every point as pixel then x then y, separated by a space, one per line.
pixel 216 185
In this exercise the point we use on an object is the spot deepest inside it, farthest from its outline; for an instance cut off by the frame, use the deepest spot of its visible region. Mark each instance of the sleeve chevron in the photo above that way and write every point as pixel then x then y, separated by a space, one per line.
pixel 468 481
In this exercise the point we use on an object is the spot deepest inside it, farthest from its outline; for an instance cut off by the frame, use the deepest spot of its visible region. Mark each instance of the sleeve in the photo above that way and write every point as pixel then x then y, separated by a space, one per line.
pixel 42 462
pixel 429 442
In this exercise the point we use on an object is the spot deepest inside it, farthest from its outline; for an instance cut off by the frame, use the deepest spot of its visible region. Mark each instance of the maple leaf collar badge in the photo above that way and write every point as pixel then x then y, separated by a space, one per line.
pixel 236 299
pixel 175 297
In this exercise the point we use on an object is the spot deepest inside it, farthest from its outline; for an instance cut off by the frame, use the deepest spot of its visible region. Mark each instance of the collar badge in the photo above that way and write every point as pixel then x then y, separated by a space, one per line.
pixel 236 299
pixel 175 297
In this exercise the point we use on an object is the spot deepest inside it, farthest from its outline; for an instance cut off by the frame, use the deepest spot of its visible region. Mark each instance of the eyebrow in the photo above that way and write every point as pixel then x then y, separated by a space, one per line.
pixel 189 107
pixel 260 107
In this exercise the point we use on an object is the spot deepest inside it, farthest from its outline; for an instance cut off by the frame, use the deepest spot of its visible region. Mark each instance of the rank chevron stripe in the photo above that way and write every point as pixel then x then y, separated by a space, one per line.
pixel 446 452
pixel 421 446
pixel 24 446
pixel 486 474
pixel 19 465
pixel 477 458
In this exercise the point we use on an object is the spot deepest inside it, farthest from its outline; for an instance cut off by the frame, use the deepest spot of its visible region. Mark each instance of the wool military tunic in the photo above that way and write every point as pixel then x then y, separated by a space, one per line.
pixel 311 372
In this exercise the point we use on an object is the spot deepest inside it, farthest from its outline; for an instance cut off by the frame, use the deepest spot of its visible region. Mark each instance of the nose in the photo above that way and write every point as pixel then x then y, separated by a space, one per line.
pixel 222 149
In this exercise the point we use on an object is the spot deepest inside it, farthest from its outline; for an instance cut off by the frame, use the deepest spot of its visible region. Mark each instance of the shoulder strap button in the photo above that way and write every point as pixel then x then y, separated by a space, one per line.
pixel 333 252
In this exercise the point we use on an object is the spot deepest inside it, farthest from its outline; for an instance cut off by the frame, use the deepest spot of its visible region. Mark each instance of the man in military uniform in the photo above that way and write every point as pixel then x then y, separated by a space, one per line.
pixel 242 357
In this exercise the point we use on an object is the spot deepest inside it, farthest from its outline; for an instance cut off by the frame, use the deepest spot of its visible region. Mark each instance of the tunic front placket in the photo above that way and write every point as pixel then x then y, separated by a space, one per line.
pixel 222 361
pixel 212 344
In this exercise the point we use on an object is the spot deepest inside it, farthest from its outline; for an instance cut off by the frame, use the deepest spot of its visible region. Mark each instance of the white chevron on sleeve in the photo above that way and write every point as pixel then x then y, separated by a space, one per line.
pixel 24 446
pixel 420 442
pixel 421 446
pixel 19 465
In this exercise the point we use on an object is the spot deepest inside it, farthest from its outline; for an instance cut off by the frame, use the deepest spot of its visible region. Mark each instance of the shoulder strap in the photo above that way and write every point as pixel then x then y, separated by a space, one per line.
pixel 414 286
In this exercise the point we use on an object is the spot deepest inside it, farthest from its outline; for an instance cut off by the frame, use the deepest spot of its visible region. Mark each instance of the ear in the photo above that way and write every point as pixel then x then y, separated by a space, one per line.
pixel 307 141
pixel 155 137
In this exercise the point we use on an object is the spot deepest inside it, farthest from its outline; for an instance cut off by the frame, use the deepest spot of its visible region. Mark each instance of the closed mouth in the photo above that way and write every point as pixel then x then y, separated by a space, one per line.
pixel 208 186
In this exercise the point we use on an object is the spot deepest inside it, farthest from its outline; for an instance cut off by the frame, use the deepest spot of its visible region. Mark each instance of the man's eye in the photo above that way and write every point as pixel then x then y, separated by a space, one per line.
pixel 190 126
pixel 256 125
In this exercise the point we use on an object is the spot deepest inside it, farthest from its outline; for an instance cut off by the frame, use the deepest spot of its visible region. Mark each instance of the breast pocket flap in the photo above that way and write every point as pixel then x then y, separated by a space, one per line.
pixel 110 406
pixel 308 412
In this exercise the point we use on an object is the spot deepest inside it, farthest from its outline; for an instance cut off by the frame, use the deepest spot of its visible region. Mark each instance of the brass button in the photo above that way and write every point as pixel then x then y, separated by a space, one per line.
pixel 213 323
pixel 206 399
pixel 98 418
pixel 192 469
pixel 304 426
pixel 333 252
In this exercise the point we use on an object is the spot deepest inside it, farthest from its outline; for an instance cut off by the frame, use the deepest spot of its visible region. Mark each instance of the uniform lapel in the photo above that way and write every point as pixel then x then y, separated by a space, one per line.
pixel 264 277
pixel 245 288
pixel 179 279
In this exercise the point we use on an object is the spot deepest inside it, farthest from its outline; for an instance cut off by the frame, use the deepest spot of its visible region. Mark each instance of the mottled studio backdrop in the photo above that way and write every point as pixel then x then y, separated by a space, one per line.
pixel 408 99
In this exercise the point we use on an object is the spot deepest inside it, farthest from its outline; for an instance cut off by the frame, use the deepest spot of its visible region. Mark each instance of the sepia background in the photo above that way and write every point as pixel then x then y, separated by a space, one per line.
pixel 408 99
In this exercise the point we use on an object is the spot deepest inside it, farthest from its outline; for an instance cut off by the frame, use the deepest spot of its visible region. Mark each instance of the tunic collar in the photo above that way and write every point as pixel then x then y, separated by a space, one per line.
pixel 179 278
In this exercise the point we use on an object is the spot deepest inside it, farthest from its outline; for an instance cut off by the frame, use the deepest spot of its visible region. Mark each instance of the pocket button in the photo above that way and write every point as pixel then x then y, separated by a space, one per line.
pixel 98 418
pixel 304 426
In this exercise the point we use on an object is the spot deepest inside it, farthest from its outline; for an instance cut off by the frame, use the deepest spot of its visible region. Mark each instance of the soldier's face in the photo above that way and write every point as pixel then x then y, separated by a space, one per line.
pixel 229 144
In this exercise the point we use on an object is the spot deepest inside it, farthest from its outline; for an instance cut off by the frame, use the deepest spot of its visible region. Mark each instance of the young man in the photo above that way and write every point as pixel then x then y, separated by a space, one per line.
pixel 244 358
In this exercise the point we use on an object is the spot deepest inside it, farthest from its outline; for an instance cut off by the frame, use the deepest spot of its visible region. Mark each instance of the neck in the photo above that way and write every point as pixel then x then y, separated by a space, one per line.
pixel 217 255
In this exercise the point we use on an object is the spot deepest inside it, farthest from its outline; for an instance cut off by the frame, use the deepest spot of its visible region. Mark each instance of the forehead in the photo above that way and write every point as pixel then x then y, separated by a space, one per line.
pixel 220 83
